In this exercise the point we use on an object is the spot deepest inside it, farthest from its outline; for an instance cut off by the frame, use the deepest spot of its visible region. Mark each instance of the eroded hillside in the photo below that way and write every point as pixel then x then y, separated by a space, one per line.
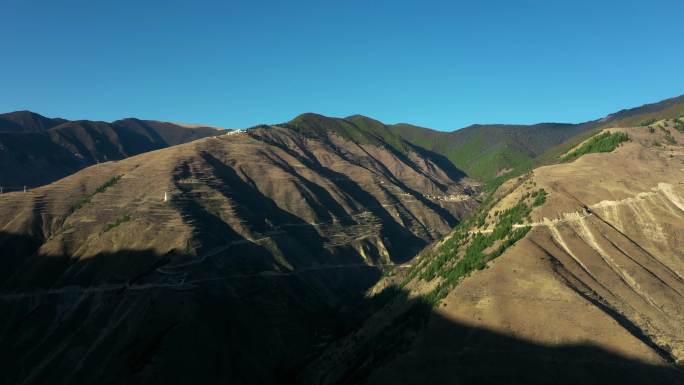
pixel 573 272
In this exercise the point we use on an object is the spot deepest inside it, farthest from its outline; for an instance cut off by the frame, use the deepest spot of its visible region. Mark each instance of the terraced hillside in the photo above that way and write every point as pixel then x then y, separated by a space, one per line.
pixel 573 273
pixel 252 250
pixel 35 150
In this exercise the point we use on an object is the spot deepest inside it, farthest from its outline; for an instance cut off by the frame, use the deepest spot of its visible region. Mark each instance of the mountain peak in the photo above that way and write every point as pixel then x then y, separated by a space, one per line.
pixel 26 121
pixel 306 116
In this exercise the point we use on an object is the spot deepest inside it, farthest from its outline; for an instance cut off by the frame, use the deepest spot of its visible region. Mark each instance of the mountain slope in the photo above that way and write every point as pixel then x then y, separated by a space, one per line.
pixel 570 273
pixel 358 128
pixel 666 109
pixel 26 121
pixel 35 150
pixel 487 151
pixel 251 250
pixel 49 149
pixel 490 150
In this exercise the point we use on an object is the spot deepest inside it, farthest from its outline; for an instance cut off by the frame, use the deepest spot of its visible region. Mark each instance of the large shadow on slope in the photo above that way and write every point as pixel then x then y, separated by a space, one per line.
pixel 420 346
pixel 129 318
pixel 115 319
pixel 441 161
pixel 298 240
pixel 403 244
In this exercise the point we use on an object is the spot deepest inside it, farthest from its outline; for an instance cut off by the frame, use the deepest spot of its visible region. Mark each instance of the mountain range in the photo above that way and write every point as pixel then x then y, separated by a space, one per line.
pixel 36 150
pixel 342 251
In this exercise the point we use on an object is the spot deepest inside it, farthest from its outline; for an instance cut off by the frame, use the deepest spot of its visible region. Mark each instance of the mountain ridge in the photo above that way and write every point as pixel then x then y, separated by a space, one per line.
pixel 487 151
pixel 24 120
pixel 35 150
pixel 484 151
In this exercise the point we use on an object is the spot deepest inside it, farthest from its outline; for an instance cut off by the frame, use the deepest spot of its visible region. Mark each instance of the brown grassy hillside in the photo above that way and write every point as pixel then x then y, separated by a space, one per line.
pixel 251 250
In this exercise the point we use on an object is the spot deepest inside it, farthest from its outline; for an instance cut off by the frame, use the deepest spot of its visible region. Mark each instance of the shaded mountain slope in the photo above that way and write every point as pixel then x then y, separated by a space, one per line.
pixel 251 250
pixel 26 121
pixel 35 150
pixel 590 255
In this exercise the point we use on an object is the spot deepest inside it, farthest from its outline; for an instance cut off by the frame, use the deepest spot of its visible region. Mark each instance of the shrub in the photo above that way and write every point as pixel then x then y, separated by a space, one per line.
pixel 109 183
pixel 678 125
pixel 539 197
pixel 670 139
pixel 647 122
pixel 123 219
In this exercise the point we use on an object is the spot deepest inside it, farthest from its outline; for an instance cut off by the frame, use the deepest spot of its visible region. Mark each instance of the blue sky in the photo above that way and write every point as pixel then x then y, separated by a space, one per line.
pixel 440 64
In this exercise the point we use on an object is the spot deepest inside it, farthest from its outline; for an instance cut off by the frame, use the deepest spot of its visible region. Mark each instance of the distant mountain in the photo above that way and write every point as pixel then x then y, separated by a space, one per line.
pixel 35 150
pixel 485 151
pixel 26 121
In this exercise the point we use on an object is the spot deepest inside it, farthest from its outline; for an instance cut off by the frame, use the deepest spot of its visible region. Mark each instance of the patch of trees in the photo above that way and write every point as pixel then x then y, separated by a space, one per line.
pixel 467 251
pixel 647 122
pixel 604 142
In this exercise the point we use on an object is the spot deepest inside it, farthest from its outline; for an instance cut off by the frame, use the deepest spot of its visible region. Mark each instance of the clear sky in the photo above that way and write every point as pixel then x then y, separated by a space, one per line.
pixel 441 64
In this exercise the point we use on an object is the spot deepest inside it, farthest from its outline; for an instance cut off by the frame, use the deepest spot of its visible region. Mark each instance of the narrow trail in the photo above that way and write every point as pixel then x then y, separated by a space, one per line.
pixel 41 204
pixel 182 283
pixel 664 189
